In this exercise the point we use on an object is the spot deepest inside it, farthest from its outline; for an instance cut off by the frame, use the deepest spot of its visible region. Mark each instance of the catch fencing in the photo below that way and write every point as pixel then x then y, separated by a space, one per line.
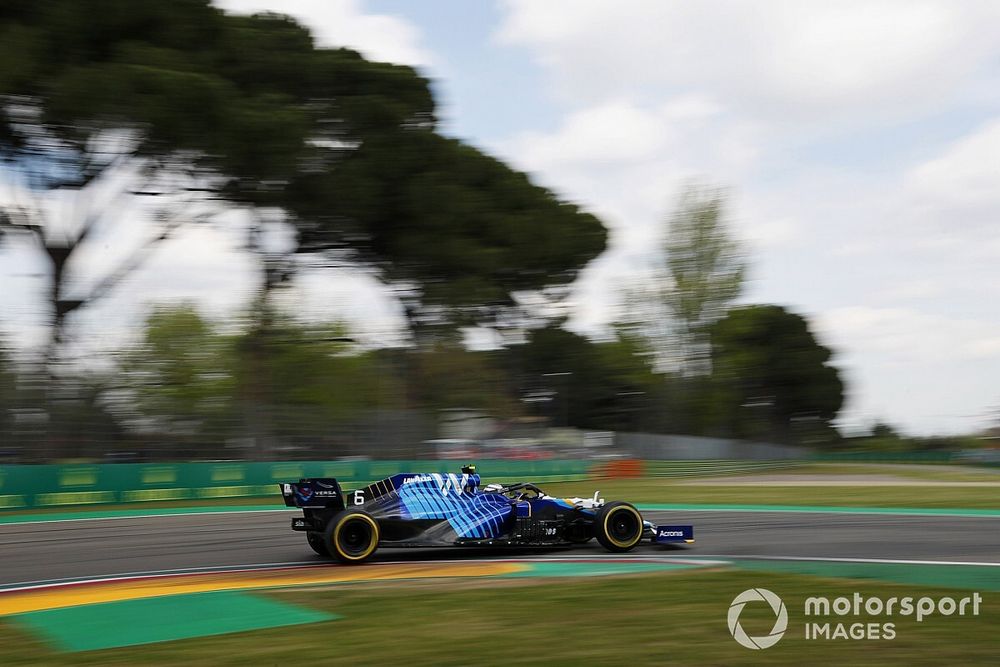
pixel 709 468
pixel 659 447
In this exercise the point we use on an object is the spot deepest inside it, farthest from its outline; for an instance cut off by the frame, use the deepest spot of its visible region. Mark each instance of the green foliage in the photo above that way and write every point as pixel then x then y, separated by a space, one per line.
pixel 702 273
pixel 463 227
pixel 251 110
pixel 703 261
pixel 883 430
pixel 772 375
pixel 182 374
pixel 244 97
pixel 450 376
pixel 196 381
pixel 606 385
pixel 885 438
pixel 8 393
pixel 705 270
pixel 298 369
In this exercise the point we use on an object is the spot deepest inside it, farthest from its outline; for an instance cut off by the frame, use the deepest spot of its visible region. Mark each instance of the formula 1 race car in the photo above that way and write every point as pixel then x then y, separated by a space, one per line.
pixel 449 510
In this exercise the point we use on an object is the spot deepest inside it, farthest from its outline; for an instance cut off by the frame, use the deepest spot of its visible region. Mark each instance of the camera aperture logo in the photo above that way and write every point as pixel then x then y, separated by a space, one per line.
pixel 869 615
pixel 780 622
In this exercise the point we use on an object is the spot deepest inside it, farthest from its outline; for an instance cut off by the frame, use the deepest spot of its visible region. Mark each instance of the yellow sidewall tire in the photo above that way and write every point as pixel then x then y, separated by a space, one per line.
pixel 333 534
pixel 603 522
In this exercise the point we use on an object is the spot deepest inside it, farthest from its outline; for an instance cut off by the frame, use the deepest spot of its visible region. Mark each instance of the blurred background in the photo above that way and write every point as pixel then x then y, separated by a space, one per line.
pixel 226 236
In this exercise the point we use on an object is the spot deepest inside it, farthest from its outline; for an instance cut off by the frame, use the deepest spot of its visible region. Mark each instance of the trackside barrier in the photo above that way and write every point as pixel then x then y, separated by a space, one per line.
pixel 888 457
pixel 24 486
pixel 620 468
pixel 705 468
pixel 989 458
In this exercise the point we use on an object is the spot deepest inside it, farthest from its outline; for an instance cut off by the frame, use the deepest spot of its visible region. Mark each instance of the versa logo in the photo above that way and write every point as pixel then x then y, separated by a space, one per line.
pixel 780 623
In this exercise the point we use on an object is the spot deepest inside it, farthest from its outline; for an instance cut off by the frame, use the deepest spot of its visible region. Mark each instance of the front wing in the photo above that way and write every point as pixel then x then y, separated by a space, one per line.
pixel 673 535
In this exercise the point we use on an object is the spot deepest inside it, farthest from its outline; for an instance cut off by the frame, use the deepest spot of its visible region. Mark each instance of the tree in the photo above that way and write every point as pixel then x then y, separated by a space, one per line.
pixel 884 430
pixel 181 378
pixel 192 112
pixel 702 274
pixel 606 385
pixel 296 382
pixel 8 395
pixel 192 384
pixel 192 107
pixel 449 376
pixel 176 103
pixel 457 231
pixel 772 378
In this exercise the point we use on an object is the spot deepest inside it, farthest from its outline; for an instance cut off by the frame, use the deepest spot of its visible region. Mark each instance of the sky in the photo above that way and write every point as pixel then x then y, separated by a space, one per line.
pixel 859 143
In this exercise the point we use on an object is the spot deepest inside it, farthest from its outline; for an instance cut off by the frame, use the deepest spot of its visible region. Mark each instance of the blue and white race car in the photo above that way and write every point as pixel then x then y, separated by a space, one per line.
pixel 450 510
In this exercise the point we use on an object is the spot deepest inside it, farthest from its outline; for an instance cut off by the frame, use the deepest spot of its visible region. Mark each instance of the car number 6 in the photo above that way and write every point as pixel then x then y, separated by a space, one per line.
pixel 359 497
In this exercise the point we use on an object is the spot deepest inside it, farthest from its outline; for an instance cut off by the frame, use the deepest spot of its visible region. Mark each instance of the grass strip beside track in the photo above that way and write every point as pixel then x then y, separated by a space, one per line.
pixel 90 513
pixel 654 491
pixel 158 619
pixel 980 578
pixel 642 619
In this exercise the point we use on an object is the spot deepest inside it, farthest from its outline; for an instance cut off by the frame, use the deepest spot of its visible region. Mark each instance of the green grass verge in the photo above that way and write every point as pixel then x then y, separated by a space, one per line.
pixel 178 504
pixel 652 490
pixel 929 472
pixel 632 620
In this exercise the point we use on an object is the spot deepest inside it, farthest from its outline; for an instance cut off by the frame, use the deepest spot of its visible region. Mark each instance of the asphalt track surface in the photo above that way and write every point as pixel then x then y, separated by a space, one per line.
pixel 41 552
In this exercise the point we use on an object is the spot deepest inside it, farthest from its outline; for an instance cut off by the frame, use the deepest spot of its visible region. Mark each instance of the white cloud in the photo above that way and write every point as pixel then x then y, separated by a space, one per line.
pixel 907 336
pixel 346 23
pixel 625 162
pixel 781 100
pixel 960 189
pixel 606 134
pixel 908 290
pixel 781 59
pixel 928 372
pixel 352 296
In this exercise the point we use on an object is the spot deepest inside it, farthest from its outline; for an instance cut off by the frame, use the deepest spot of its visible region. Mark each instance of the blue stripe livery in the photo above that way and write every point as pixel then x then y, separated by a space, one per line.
pixel 453 498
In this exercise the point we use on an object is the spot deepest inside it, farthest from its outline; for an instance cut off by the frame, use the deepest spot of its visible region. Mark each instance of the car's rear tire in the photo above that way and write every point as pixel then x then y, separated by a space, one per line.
pixel 352 536
pixel 618 526
pixel 315 541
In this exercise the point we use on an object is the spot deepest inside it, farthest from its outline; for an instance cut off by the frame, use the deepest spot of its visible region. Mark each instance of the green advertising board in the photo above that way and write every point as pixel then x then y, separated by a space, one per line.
pixel 23 486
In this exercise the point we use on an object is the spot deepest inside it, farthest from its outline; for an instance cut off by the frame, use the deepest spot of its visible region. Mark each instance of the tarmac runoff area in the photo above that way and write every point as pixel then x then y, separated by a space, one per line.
pixel 201 569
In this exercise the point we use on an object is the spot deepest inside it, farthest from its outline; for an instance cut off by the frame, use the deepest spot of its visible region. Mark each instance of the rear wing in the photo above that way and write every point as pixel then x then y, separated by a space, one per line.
pixel 319 493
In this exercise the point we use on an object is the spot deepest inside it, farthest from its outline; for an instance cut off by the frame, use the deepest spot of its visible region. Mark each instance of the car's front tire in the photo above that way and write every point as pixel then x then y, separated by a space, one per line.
pixel 351 536
pixel 618 526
